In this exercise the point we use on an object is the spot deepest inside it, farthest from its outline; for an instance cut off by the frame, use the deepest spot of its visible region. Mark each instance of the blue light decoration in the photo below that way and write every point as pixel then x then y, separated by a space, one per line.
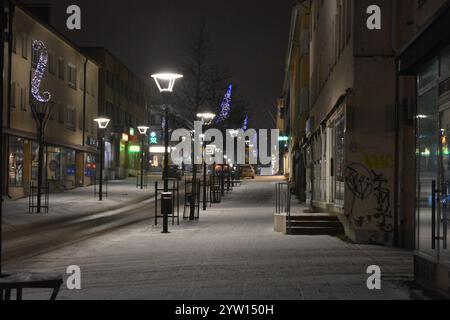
pixel 245 125
pixel 38 73
pixel 225 107
pixel 153 138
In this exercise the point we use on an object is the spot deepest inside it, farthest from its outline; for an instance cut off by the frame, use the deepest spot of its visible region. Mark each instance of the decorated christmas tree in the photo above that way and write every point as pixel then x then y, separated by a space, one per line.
pixel 225 107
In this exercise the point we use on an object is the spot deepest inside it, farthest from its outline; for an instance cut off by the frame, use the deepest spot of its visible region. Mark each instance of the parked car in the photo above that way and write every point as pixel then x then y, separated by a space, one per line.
pixel 247 171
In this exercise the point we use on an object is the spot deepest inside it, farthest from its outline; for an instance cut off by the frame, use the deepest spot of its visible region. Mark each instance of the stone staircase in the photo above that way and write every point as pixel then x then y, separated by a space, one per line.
pixel 314 224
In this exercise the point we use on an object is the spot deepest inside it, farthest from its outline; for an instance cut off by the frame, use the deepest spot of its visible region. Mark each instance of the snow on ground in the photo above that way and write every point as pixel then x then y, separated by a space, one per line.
pixel 231 253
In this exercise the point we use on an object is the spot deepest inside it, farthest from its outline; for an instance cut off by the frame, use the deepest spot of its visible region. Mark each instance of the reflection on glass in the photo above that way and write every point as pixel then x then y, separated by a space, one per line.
pixel 427 150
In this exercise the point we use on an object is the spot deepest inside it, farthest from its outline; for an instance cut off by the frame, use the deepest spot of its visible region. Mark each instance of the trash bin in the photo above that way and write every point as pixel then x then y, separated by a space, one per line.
pixel 166 208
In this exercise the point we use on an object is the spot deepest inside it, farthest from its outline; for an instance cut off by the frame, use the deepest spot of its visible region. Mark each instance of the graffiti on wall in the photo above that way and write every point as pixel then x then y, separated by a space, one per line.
pixel 366 184
pixel 378 161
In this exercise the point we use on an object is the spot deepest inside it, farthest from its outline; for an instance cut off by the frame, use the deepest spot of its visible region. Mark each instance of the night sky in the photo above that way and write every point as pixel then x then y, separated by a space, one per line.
pixel 250 38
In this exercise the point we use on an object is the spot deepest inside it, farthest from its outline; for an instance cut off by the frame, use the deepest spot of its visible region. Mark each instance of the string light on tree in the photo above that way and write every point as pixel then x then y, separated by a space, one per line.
pixel 245 125
pixel 225 107
pixel 38 73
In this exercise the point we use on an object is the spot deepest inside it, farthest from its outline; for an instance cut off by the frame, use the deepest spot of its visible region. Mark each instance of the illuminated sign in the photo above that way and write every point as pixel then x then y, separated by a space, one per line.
pixel 131 131
pixel 283 139
pixel 124 137
pixel 134 149
pixel 153 138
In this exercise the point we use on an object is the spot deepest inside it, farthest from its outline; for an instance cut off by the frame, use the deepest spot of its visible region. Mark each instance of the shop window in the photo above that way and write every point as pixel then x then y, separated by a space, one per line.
pixel 35 161
pixel 16 162
pixel 445 63
pixel 108 155
pixel 60 164
pixel 428 77
pixel 91 165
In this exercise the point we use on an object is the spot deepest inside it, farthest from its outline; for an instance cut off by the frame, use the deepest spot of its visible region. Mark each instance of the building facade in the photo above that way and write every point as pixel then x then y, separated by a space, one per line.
pixel 350 149
pixel 71 135
pixel 378 100
pixel 125 99
pixel 295 100
pixel 424 75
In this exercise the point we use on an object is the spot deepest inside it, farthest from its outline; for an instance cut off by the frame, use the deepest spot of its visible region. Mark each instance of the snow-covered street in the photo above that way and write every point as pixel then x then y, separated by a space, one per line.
pixel 231 253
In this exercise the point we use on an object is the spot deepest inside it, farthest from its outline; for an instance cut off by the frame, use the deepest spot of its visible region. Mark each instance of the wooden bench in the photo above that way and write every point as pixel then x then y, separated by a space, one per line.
pixel 20 281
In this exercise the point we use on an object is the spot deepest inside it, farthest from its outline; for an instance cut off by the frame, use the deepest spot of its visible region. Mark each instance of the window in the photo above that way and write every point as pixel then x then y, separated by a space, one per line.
pixel 87 84
pixel 16 162
pixel 61 69
pixel 24 46
pixel 82 80
pixel 72 76
pixel 23 99
pixel 93 88
pixel 71 120
pixel 61 113
pixel 80 121
pixel 13 95
pixel 14 42
pixel 51 63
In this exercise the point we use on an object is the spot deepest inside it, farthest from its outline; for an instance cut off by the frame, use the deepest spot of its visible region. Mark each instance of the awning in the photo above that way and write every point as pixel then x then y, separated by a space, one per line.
pixel 433 37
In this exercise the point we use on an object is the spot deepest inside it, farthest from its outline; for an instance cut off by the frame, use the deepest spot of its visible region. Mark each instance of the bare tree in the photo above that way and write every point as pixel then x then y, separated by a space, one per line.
pixel 203 78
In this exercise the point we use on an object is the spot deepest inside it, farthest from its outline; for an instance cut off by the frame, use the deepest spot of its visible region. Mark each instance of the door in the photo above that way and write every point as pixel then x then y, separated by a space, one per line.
pixel 442 215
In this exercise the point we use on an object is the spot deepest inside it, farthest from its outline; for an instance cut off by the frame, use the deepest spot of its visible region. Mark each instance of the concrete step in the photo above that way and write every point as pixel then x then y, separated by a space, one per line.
pixel 315 231
pixel 314 217
pixel 316 223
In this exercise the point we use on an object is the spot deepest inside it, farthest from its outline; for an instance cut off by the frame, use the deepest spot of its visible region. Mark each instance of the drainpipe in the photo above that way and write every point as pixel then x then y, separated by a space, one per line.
pixel 8 94
pixel 84 113
pixel 10 52
pixel 397 126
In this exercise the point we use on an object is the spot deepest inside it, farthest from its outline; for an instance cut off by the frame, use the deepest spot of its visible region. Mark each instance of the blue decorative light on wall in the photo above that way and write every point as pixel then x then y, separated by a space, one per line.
pixel 245 124
pixel 225 107
pixel 38 73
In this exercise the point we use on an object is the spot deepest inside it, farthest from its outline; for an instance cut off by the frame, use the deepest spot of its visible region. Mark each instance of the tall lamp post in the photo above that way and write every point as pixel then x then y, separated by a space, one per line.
pixel 41 113
pixel 143 131
pixel 234 134
pixel 40 106
pixel 102 125
pixel 206 118
pixel 165 83
pixel 3 25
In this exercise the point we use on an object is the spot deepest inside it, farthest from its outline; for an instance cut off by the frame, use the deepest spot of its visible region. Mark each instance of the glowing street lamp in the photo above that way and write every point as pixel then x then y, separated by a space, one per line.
pixel 102 125
pixel 206 118
pixel 166 81
pixel 143 131
pixel 102 122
